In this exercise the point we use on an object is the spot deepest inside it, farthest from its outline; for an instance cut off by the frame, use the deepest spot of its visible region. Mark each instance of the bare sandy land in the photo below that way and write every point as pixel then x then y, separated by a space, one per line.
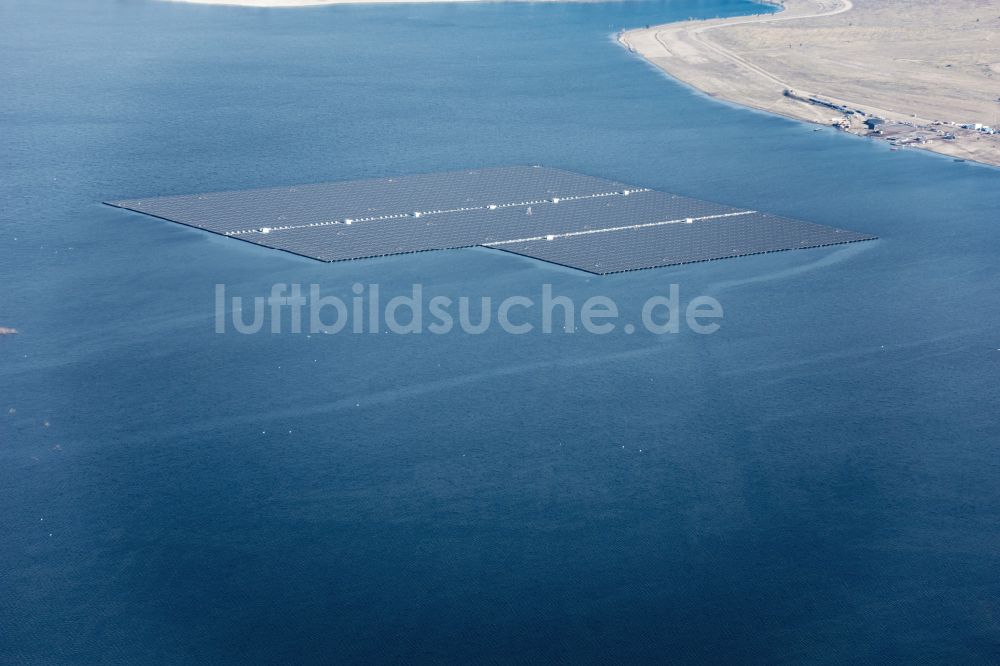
pixel 919 64
pixel 316 3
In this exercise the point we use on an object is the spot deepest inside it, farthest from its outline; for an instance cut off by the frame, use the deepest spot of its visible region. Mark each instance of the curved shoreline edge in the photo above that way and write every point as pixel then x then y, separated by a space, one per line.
pixel 685 51
pixel 888 100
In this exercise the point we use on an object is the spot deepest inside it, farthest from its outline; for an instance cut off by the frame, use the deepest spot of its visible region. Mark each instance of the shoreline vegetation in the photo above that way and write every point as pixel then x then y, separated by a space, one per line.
pixel 914 73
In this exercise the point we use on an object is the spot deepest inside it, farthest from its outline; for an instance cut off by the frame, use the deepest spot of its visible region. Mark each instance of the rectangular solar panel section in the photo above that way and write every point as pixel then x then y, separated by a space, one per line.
pixel 479 227
pixel 303 205
pixel 654 246
pixel 593 224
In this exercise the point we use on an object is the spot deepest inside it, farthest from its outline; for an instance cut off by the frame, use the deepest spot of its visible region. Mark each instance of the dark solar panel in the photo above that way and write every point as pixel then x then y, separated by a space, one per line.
pixel 588 223
pixel 319 203
pixel 670 244
pixel 480 227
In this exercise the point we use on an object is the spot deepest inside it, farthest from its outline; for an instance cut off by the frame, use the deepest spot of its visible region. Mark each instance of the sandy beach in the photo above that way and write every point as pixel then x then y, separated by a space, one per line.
pixel 915 73
pixel 316 3
pixel 924 68
pixel 296 3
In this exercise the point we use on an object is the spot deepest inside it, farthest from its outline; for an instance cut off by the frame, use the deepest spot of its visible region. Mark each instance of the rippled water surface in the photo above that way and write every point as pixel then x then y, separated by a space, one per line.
pixel 817 481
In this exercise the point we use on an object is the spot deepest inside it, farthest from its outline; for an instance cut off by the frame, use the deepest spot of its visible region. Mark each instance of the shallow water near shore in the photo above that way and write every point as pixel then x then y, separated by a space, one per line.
pixel 817 481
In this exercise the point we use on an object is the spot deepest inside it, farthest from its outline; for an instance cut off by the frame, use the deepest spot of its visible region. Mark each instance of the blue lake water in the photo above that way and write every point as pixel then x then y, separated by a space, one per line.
pixel 817 481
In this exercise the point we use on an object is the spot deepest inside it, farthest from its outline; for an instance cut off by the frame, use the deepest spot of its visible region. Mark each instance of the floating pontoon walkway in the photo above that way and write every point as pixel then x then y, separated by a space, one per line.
pixel 595 225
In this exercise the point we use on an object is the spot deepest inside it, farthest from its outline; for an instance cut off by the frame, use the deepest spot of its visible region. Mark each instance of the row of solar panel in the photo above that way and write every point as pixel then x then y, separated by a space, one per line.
pixel 302 205
pixel 673 244
pixel 593 224
pixel 482 227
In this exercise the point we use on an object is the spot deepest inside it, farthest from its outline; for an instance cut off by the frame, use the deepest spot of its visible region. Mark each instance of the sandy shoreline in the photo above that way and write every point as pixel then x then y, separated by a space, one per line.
pixel 318 3
pixel 923 69
pixel 914 73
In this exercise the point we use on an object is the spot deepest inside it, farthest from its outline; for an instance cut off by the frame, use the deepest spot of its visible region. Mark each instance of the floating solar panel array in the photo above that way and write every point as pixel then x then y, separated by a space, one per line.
pixel 595 225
